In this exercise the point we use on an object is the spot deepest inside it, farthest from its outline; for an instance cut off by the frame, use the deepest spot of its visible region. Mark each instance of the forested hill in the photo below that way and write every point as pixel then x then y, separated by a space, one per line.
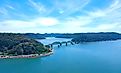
pixel 16 44
pixel 34 35
pixel 93 37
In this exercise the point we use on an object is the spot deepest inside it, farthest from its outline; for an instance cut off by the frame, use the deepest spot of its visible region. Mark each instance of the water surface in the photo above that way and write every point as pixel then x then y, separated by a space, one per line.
pixel 95 57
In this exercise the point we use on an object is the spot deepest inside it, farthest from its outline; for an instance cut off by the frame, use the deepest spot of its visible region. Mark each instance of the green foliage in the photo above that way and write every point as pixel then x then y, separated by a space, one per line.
pixel 93 37
pixel 17 44
pixel 47 46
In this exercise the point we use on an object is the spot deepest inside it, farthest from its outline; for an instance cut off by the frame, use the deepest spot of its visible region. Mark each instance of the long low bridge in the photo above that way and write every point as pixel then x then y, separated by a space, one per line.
pixel 59 44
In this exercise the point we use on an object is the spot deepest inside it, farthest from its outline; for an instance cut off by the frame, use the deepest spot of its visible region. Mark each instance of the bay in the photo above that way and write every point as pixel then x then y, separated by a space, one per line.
pixel 94 57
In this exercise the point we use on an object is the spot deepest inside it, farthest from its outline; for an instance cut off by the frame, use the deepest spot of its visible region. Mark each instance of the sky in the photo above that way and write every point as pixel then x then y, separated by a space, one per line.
pixel 60 16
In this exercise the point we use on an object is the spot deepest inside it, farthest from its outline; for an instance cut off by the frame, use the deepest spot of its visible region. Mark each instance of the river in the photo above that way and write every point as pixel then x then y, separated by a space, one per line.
pixel 94 57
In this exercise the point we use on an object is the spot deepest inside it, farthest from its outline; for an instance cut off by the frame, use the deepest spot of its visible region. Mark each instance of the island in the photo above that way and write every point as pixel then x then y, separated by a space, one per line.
pixel 13 45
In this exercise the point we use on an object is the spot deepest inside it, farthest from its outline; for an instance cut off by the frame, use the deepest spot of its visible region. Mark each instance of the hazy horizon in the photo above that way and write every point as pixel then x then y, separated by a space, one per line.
pixel 62 32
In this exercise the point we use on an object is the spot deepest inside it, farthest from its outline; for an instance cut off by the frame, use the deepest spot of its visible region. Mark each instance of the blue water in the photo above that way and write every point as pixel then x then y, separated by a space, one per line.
pixel 95 57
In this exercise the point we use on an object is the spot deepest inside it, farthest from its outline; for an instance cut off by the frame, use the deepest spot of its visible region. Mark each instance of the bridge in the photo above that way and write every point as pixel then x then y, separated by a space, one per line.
pixel 59 44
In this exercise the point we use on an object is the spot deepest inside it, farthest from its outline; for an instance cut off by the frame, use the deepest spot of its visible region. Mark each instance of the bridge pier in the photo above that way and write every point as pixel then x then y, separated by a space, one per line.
pixel 58 46
pixel 51 45
pixel 66 43
pixel 72 43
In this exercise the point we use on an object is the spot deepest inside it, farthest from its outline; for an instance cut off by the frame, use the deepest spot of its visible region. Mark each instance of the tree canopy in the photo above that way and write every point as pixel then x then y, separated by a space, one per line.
pixel 93 37
pixel 17 44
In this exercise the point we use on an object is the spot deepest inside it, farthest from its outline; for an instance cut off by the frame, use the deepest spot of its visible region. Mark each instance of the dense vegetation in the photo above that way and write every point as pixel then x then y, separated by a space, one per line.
pixel 93 37
pixel 34 35
pixel 42 36
pixel 87 37
pixel 79 37
pixel 71 35
pixel 24 44
pixel 17 44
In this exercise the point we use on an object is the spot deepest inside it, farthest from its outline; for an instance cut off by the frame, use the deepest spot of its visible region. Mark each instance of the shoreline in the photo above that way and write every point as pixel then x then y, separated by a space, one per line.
pixel 27 56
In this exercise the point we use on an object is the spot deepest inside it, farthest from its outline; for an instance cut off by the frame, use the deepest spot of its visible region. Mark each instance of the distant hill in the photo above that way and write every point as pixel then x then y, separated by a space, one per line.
pixel 79 37
pixel 17 44
pixel 34 35
pixel 94 37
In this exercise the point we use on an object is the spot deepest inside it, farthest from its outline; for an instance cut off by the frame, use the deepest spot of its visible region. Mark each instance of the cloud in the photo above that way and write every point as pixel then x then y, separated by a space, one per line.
pixel 61 8
pixel 10 7
pixel 76 22
pixel 68 7
pixel 116 4
pixel 46 21
pixel 60 16
pixel 3 11
pixel 107 19
pixel 113 8
pixel 107 27
pixel 38 6
pixel 42 21
pixel 15 24
pixel 97 13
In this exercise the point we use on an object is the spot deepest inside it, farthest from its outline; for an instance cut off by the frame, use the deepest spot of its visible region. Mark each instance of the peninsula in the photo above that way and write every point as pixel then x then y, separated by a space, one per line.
pixel 18 46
